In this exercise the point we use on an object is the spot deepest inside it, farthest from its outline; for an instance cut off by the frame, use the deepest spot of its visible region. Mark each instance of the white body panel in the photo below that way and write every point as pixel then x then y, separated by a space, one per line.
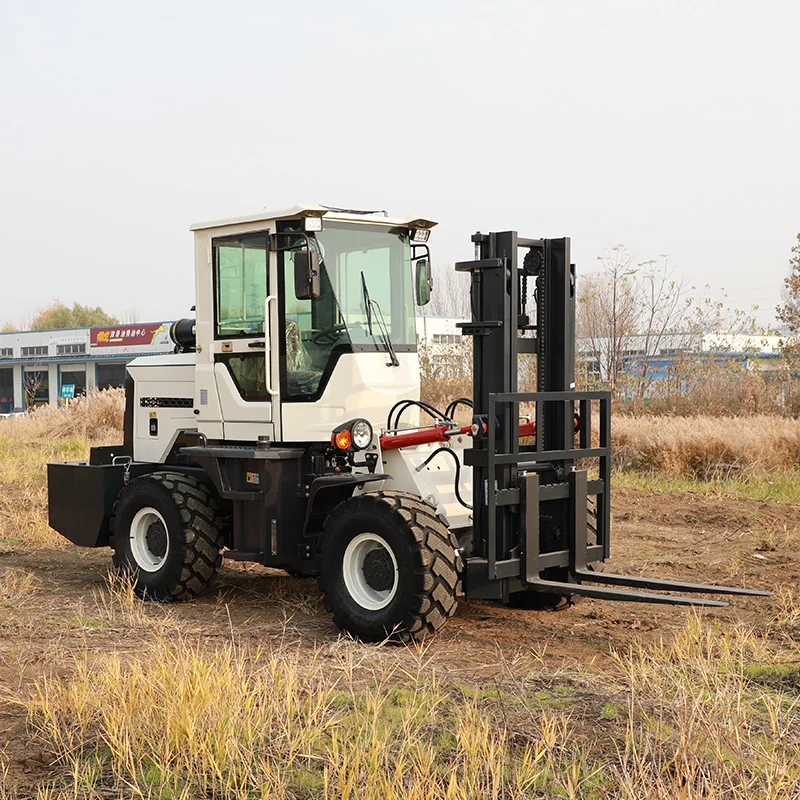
pixel 361 385
pixel 434 483
pixel 161 377
pixel 241 419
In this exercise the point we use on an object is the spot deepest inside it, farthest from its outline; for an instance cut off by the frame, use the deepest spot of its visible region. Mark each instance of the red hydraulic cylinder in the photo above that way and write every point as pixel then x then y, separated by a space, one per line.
pixel 435 433
pixel 441 433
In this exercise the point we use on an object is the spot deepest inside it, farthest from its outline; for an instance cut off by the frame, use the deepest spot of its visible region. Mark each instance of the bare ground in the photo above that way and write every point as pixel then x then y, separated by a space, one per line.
pixel 70 613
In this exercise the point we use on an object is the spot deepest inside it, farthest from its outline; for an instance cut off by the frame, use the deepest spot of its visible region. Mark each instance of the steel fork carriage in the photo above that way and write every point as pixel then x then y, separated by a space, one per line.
pixel 530 501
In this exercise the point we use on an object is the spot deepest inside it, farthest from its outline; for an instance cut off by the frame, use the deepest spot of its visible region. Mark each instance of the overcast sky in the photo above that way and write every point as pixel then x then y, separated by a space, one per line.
pixel 668 127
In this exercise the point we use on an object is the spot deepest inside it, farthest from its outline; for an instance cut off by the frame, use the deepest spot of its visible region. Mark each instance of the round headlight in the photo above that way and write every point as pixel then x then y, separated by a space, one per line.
pixel 362 434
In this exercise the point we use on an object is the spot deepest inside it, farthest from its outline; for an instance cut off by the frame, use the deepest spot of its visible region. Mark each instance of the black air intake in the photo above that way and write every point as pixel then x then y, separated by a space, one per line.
pixel 182 333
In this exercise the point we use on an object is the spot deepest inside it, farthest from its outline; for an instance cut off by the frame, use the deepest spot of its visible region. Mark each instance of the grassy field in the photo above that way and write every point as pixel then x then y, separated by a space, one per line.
pixel 229 698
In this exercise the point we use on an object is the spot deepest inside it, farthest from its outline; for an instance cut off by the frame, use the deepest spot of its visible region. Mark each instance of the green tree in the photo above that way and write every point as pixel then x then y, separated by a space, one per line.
pixel 57 315
pixel 789 311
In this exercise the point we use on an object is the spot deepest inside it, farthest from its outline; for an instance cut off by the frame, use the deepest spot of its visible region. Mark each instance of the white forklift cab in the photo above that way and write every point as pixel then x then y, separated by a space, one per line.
pixel 305 318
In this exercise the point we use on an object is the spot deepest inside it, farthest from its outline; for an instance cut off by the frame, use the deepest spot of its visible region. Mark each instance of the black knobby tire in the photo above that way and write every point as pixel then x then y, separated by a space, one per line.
pixel 428 567
pixel 193 552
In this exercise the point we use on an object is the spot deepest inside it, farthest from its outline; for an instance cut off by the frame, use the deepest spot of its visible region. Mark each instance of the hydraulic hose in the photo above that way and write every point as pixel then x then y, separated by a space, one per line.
pixel 458 472
pixel 454 404
pixel 402 405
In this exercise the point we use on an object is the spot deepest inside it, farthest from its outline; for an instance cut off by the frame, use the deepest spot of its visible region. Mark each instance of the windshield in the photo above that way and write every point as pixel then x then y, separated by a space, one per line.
pixel 358 262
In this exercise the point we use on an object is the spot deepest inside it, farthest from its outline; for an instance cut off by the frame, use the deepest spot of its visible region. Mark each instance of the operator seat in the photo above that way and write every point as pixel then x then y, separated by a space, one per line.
pixel 296 357
pixel 302 378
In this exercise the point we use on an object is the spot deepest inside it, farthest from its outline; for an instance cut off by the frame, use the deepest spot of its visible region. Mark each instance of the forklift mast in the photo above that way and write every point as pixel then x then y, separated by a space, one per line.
pixel 531 527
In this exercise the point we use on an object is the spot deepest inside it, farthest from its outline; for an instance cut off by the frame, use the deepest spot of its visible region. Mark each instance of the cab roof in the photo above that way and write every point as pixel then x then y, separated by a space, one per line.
pixel 303 210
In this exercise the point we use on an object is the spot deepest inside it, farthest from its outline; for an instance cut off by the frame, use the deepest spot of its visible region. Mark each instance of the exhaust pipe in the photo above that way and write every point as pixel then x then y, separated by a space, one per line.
pixel 184 334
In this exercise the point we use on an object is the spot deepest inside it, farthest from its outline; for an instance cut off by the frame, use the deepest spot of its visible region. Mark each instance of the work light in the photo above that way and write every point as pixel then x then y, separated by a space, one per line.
pixel 420 235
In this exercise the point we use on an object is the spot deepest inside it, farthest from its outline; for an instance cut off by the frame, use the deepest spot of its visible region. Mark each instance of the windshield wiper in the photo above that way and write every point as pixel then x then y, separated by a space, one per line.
pixel 369 303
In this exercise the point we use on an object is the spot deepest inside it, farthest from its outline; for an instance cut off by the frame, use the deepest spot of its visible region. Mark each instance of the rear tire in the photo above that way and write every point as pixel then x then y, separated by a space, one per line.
pixel 389 567
pixel 167 535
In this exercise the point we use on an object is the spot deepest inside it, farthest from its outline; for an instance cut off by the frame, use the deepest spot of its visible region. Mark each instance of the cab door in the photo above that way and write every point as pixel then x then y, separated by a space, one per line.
pixel 245 366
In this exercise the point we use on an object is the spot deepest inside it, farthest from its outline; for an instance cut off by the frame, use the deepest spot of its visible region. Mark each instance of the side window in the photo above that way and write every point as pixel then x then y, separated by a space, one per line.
pixel 305 353
pixel 241 278
pixel 248 373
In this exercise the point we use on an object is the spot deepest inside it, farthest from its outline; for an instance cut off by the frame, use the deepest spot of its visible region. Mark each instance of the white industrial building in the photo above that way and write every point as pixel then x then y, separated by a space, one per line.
pixel 439 331
pixel 39 367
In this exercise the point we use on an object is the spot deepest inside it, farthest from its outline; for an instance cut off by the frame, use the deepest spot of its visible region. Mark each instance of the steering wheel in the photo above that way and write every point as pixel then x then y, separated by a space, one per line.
pixel 329 336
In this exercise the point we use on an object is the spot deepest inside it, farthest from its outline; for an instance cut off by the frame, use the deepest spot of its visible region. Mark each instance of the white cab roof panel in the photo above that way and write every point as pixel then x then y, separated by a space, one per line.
pixel 303 210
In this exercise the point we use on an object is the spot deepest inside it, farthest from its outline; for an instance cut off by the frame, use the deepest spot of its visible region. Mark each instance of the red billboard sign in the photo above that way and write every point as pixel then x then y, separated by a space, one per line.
pixel 126 335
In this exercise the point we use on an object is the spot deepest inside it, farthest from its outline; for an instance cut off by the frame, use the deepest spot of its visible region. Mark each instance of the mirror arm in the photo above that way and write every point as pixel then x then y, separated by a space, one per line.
pixel 424 247
pixel 273 240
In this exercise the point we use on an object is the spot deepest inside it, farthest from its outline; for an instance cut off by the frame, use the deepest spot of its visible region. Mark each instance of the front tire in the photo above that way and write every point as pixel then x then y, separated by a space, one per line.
pixel 167 535
pixel 389 567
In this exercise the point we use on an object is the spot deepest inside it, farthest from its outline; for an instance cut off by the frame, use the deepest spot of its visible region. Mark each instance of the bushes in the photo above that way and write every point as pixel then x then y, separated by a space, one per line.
pixel 705 447
pixel 96 416
pixel 29 443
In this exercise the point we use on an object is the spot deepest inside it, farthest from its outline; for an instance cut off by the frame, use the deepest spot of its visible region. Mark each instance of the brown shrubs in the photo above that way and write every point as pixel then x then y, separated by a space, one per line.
pixel 97 416
pixel 706 447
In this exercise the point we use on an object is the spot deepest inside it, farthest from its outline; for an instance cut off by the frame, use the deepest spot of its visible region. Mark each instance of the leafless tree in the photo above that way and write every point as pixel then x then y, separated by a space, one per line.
pixel 608 312
pixel 628 314
pixel 130 316
pixel 450 296
pixel 32 381
pixel 666 316
pixel 789 311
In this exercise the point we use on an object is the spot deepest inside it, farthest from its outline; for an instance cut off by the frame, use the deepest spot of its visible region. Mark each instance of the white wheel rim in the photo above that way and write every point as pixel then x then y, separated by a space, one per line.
pixel 144 557
pixel 353 568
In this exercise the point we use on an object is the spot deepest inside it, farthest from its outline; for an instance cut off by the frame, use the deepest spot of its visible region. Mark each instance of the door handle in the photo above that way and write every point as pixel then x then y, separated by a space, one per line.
pixel 261 345
pixel 268 355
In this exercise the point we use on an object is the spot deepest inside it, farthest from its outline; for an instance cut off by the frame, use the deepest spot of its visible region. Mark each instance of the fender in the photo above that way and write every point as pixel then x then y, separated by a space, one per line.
pixel 327 491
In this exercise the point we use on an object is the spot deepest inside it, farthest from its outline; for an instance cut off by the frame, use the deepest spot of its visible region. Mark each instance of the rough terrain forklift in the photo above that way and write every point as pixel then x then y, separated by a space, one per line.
pixel 287 429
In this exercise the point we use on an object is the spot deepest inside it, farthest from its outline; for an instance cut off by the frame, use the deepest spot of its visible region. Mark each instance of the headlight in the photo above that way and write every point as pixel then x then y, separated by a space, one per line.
pixel 362 434
pixel 353 435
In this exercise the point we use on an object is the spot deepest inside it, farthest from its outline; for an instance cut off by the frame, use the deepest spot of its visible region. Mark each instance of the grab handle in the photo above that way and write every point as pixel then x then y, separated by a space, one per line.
pixel 268 351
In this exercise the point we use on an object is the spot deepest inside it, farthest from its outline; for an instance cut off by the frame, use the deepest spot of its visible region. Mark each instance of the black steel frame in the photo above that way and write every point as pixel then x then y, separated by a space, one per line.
pixel 530 526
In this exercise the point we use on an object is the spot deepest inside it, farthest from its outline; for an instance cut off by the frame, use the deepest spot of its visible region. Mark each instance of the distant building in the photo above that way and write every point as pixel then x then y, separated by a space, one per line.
pixel 437 332
pixel 660 352
pixel 40 367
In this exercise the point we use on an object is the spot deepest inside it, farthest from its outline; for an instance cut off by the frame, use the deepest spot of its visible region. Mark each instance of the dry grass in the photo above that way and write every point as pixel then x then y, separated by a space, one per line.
pixel 28 443
pixel 699 726
pixel 706 716
pixel 707 448
pixel 240 723
pixel 95 417
pixel 16 588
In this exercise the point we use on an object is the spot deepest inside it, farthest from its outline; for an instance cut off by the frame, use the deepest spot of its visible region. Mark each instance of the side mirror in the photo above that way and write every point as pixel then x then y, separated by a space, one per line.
pixel 306 274
pixel 424 282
